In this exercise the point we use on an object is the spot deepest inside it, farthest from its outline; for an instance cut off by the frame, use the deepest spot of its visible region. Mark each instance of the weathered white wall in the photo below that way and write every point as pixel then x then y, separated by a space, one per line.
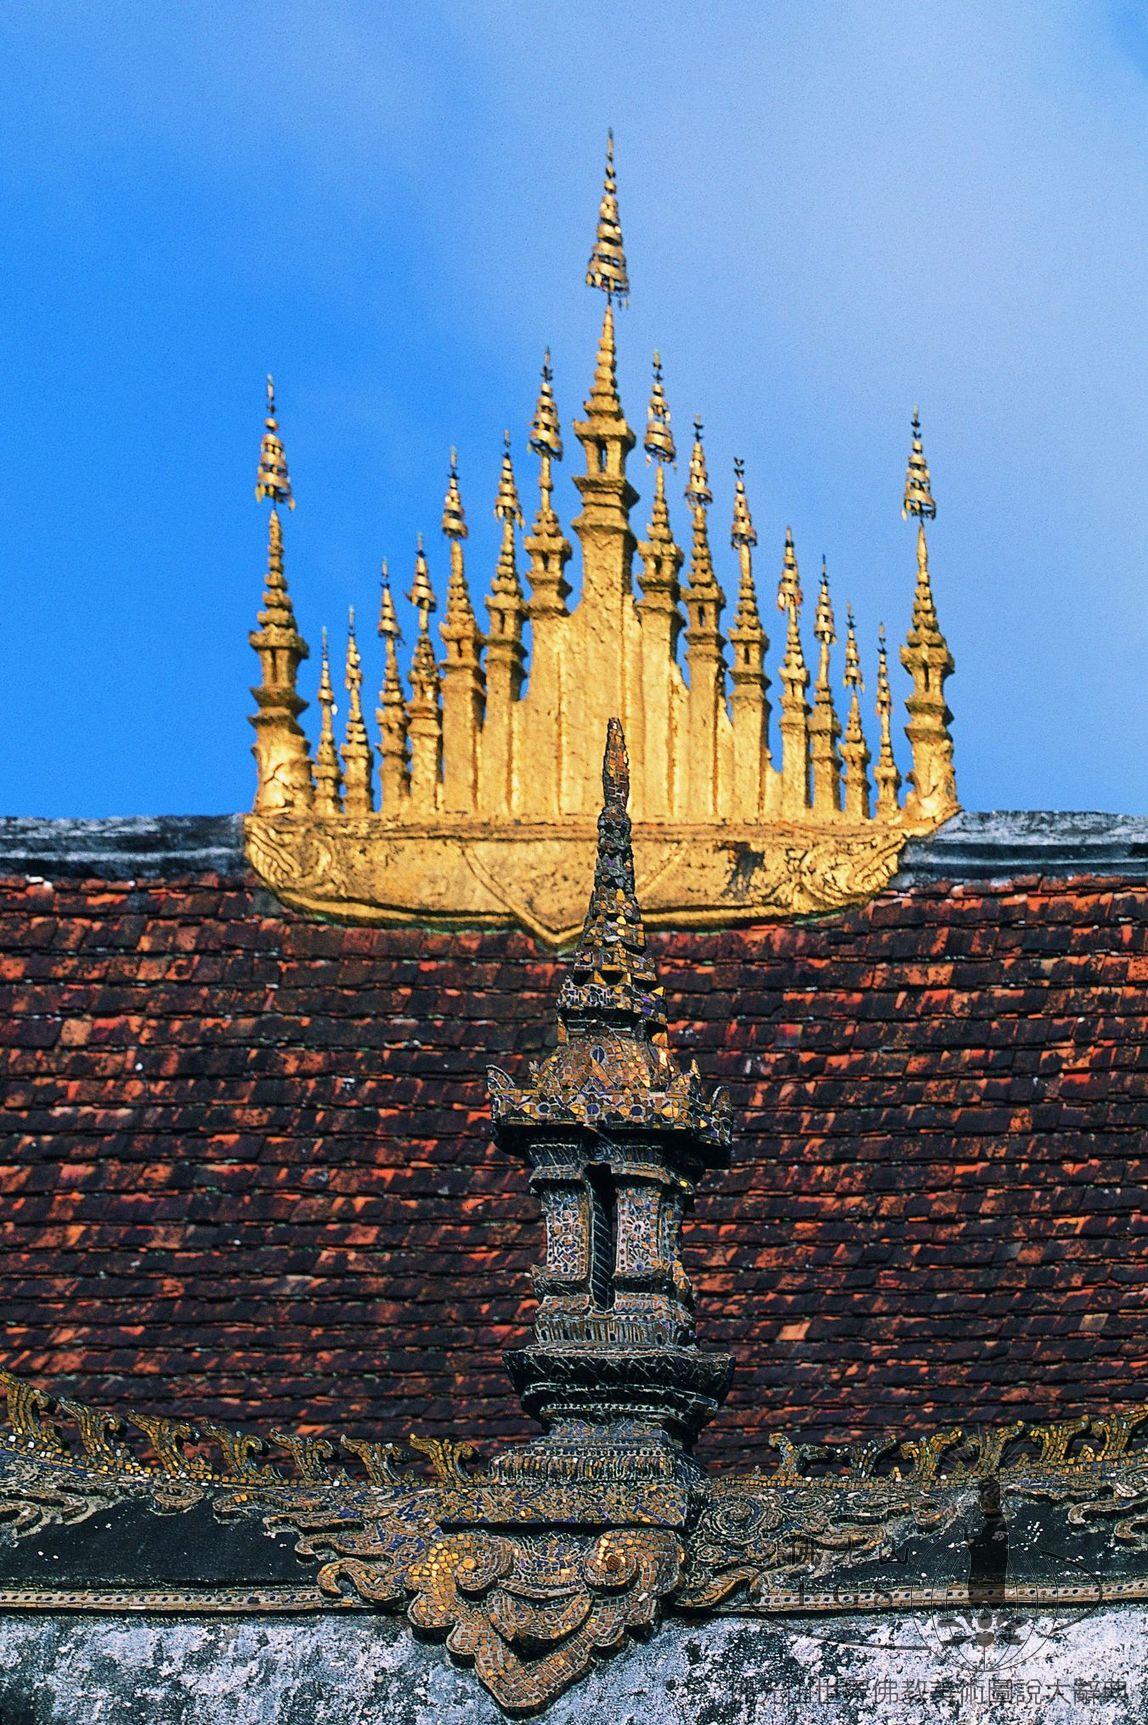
pixel 97 1670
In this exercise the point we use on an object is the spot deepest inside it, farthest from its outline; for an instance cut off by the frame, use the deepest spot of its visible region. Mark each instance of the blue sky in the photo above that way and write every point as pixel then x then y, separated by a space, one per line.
pixel 832 209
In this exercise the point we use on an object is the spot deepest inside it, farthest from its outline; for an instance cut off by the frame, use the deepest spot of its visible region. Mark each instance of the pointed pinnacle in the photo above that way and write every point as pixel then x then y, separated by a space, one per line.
pixel 698 491
pixel 326 692
pixel 453 515
pixel 273 480
pixel 884 693
pixel 824 627
pixel 789 595
pixel 546 428
pixel 607 266
pixel 742 532
pixel 354 676
pixel 421 594
pixel 918 486
pixel 388 621
pixel 506 504
pixel 659 441
pixel 853 677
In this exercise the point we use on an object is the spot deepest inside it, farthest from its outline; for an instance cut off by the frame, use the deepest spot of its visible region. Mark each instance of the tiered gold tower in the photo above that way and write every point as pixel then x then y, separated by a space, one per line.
pixel 486 790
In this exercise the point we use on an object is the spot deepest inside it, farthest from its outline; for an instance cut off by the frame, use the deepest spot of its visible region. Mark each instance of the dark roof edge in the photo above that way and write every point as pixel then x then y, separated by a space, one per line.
pixel 1003 845
pixel 124 847
pixel 970 847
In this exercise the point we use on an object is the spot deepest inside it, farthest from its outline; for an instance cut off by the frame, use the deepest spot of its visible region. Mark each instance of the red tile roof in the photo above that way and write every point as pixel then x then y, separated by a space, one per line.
pixel 247 1171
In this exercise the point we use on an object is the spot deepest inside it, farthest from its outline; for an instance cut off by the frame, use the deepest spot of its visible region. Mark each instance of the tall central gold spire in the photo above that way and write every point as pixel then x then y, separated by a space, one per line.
pixel 607 266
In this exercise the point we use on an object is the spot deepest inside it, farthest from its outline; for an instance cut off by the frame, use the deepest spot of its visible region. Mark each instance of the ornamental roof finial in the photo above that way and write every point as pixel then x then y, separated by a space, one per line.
pixel 918 486
pixel 607 266
pixel 453 515
pixel 506 505
pixel 742 532
pixel 659 440
pixel 853 677
pixel 273 481
pixel 698 491
pixel 546 428
pixel 421 594
pixel 388 621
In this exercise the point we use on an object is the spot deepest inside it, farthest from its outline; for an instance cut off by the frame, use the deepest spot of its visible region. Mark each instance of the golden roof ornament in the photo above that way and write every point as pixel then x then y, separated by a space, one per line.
pixel 357 761
pixel 918 488
pixel 659 440
pixel 545 427
pixel 328 773
pixel 273 482
pixel 421 594
pixel 607 266
pixel 489 776
pixel 453 515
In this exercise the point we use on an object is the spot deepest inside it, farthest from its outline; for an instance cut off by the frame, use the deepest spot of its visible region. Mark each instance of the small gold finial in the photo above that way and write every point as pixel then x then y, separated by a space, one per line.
pixel 698 491
pixel 328 772
pixel 506 505
pixel 789 594
pixel 742 532
pixel 358 796
pixel 453 516
pixel 545 427
pixel 354 674
pixel 824 626
pixel 421 594
pixel 273 481
pixel 853 677
pixel 884 693
pixel 659 441
pixel 388 621
pixel 918 486
pixel 607 266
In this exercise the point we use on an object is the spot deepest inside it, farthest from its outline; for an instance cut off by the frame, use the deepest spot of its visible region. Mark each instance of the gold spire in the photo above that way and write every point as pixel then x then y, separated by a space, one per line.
pixel 273 481
pixel 421 594
pixel 506 505
pixel 391 711
pixel 282 757
pixel 743 537
pixel 389 630
pixel 789 594
pixel 853 678
pixel 659 441
pixel 328 773
pixel 453 515
pixel 854 749
pixel 918 487
pixel 607 266
pixel 886 773
pixel 545 427
pixel 699 496
pixel 357 769
pixel 824 726
pixel 546 442
pixel 747 673
pixel 824 628
pixel 794 682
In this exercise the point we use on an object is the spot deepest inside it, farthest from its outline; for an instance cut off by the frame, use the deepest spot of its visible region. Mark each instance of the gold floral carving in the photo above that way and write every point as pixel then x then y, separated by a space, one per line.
pixel 532 1613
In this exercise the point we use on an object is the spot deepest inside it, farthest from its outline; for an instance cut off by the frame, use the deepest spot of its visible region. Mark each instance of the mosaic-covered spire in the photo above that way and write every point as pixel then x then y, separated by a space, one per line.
pixel 611 977
pixel 613 1061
